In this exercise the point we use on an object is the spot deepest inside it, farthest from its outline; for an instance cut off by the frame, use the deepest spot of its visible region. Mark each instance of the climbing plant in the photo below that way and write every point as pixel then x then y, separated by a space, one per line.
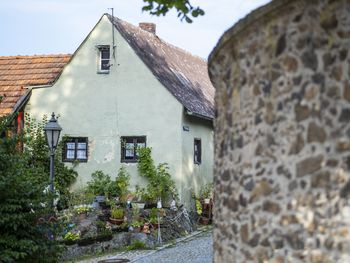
pixel 159 181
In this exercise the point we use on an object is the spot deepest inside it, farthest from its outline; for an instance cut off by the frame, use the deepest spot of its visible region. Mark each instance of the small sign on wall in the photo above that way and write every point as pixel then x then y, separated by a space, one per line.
pixel 186 128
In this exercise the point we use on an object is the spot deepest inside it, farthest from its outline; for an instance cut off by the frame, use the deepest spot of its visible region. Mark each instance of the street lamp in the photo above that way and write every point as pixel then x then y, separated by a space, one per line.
pixel 52 134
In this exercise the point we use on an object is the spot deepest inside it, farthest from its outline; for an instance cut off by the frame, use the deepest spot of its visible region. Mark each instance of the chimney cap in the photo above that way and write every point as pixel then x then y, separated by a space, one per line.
pixel 150 27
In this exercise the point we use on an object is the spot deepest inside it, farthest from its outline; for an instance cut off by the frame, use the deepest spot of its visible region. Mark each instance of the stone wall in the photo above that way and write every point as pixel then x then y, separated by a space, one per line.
pixel 282 138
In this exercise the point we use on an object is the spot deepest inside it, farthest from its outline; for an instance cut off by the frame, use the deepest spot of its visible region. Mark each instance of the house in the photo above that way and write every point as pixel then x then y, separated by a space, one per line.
pixel 124 87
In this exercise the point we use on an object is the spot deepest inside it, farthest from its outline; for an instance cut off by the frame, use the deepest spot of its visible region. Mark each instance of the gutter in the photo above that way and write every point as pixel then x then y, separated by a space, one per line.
pixel 191 113
pixel 24 99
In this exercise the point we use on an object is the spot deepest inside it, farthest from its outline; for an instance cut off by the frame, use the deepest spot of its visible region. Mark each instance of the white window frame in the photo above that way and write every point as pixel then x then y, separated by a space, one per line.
pixel 102 48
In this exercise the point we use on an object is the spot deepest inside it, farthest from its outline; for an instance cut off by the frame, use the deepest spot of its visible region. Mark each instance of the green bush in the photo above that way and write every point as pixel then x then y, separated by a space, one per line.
pixel 102 184
pixel 117 213
pixel 22 238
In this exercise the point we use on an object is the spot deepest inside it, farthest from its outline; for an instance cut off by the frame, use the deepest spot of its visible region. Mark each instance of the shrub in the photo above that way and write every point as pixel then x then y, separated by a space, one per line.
pixel 117 213
pixel 22 239
pixel 136 244
pixel 100 183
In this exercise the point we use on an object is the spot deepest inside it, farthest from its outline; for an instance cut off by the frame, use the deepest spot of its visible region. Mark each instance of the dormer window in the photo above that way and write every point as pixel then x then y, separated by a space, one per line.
pixel 104 62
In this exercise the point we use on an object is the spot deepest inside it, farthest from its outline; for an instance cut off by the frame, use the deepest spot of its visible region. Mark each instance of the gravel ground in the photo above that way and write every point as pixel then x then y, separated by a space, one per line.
pixel 195 249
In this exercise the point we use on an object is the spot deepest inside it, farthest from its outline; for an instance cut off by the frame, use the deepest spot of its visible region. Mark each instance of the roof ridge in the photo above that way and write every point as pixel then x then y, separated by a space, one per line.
pixel 156 37
pixel 36 56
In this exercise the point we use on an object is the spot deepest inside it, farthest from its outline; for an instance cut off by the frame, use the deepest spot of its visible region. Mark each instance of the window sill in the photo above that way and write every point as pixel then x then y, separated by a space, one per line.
pixel 75 160
pixel 103 72
pixel 129 161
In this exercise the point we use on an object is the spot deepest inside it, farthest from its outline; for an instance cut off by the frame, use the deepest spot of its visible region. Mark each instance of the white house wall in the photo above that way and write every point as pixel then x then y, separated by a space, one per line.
pixel 129 101
pixel 196 175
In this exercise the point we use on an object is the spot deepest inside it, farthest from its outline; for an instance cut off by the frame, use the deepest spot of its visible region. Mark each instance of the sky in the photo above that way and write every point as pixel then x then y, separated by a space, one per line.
pixel 29 27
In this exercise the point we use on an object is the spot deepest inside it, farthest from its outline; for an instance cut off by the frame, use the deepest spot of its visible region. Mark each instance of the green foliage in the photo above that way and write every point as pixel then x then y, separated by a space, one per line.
pixel 81 197
pixel 70 236
pixel 22 238
pixel 122 182
pixel 37 148
pixel 183 8
pixel 160 184
pixel 199 208
pixel 206 191
pixel 136 244
pixel 82 209
pixel 102 184
pixel 117 213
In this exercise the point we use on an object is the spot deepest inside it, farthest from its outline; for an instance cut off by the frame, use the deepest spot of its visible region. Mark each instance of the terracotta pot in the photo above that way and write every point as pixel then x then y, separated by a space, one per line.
pixel 82 216
pixel 204 220
pixel 116 221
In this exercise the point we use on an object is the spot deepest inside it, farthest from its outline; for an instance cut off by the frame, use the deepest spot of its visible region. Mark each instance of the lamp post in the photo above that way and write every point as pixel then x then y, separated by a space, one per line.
pixel 52 134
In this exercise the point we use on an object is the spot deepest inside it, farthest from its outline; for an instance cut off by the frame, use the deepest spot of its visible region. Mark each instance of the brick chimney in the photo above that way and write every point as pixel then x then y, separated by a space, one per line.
pixel 150 27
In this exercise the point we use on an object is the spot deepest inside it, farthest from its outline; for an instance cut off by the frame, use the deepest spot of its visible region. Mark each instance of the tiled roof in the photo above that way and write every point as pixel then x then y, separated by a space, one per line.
pixel 19 72
pixel 184 75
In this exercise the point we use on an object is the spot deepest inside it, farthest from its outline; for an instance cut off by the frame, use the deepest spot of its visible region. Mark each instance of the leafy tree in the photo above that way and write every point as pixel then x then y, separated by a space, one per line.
pixel 184 8
pixel 22 238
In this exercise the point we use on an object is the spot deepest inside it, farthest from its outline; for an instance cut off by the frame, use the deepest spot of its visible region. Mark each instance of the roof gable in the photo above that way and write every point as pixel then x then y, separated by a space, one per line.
pixel 19 72
pixel 184 75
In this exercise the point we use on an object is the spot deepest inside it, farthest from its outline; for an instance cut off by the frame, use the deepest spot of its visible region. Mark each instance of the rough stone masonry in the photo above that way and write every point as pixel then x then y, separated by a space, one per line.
pixel 282 139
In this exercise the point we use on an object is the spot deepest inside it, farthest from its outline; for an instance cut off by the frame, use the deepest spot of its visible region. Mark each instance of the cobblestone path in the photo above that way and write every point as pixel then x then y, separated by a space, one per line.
pixel 196 250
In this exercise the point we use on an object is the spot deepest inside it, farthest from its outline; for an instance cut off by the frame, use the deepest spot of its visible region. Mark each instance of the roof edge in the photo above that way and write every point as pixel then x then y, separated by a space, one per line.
pixel 191 113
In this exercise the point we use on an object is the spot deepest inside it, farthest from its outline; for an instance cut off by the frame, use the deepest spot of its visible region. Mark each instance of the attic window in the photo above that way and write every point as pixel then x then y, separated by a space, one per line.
pixel 104 59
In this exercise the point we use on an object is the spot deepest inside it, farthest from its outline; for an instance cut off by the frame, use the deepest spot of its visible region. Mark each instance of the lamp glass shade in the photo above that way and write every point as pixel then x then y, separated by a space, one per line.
pixel 52 133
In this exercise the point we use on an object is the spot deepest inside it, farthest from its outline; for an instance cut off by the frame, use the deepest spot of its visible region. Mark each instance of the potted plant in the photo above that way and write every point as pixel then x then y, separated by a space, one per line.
pixel 206 193
pixel 71 237
pixel 117 216
pixel 141 196
pixel 82 211
pixel 137 225
pixel 100 185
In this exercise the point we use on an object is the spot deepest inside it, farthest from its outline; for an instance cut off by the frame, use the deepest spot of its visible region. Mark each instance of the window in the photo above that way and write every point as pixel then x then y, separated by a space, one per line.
pixel 104 62
pixel 197 151
pixel 75 149
pixel 129 145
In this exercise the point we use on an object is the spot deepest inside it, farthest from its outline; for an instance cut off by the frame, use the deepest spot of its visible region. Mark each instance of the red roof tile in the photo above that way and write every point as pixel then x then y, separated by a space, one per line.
pixel 19 72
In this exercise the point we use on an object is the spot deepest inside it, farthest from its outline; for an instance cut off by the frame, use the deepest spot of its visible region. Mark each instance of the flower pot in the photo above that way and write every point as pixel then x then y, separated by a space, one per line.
pixel 82 216
pixel 116 221
pixel 140 205
pixel 100 198
pixel 204 220
pixel 207 201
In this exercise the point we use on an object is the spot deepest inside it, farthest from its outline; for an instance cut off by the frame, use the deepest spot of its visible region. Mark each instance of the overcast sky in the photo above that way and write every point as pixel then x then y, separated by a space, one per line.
pixel 30 27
